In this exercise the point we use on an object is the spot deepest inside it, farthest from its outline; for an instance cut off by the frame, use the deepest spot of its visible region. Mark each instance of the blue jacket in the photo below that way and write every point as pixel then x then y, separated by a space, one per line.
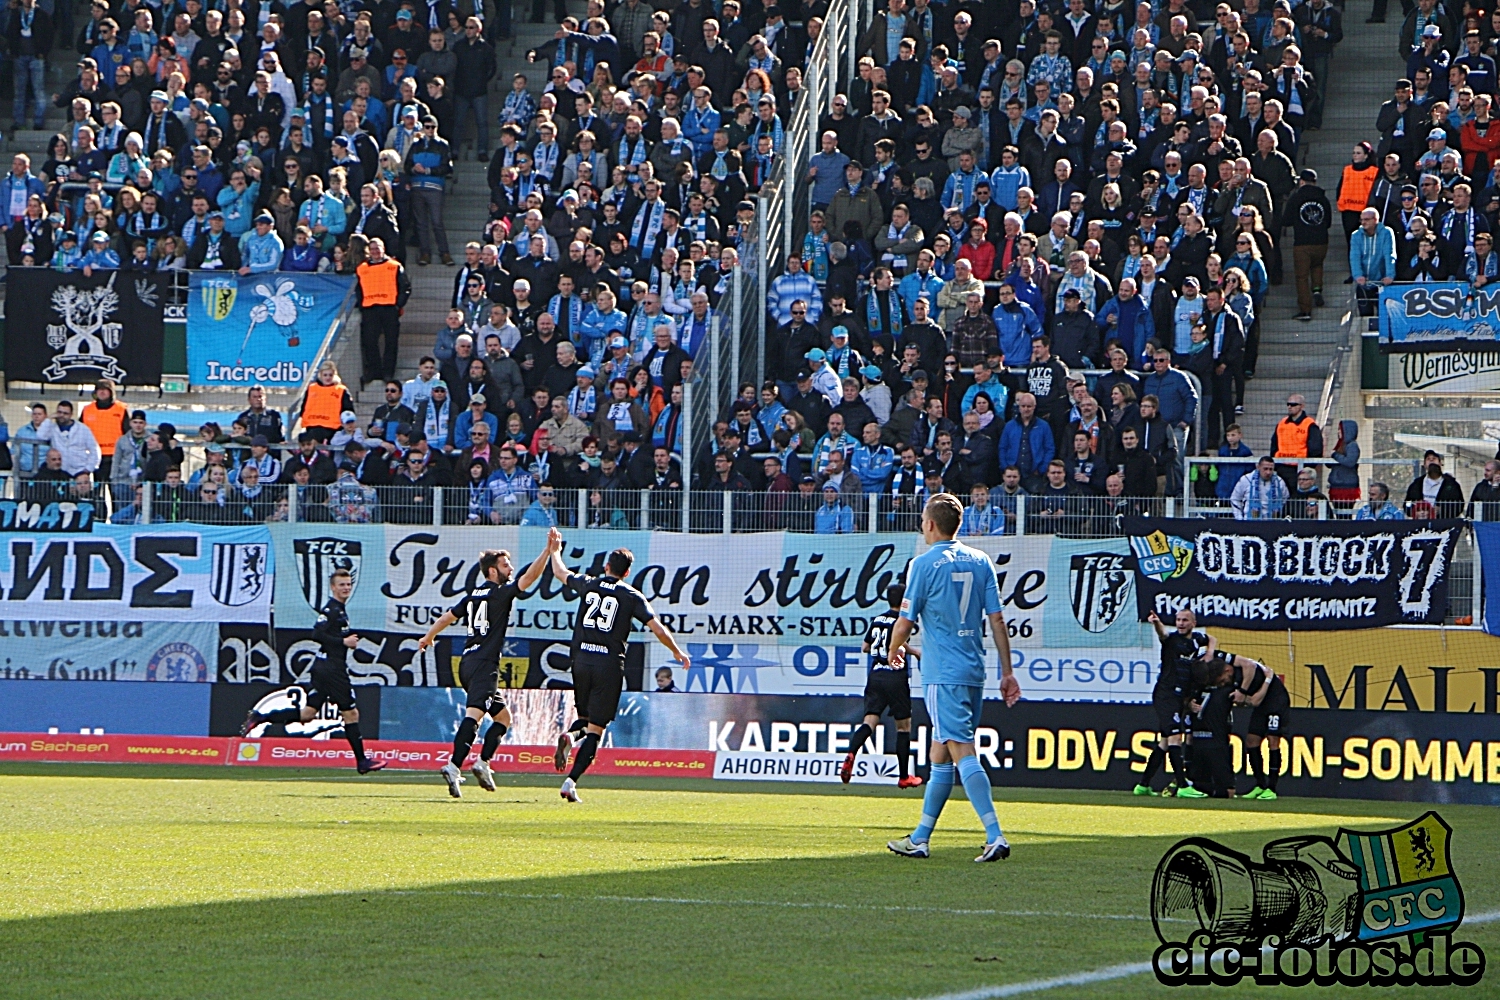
pixel 1179 401
pixel 1018 327
pixel 1372 258
pixel 465 421
pixel 238 208
pixel 1135 325
pixel 873 466
pixel 31 182
pixel 262 253
pixel 1042 448
pixel 1231 474
pixel 835 520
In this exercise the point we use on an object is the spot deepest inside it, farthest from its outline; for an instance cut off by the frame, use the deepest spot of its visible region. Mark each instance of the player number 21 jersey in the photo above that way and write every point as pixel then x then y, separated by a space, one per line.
pixel 950 590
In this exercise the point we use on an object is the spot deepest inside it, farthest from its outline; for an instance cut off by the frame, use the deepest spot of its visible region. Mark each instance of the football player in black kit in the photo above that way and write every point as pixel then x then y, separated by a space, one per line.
pixel 1258 686
pixel 330 674
pixel 607 606
pixel 886 688
pixel 1180 647
pixel 487 612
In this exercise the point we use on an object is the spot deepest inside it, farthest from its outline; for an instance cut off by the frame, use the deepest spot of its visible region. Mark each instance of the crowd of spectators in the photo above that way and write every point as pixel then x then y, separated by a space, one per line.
pixel 237 136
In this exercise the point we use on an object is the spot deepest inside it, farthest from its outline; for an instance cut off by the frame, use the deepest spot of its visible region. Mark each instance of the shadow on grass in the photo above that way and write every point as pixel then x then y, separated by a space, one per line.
pixel 867 925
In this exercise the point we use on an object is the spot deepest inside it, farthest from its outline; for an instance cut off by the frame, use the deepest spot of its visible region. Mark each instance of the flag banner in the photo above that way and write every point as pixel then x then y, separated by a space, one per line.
pixel 1487 539
pixel 1439 314
pixel 1300 575
pixel 173 573
pixel 770 612
pixel 58 516
pixel 67 327
pixel 259 329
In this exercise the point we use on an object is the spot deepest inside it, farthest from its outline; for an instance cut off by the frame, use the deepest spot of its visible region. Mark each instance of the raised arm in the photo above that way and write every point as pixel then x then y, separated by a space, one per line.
pixel 538 565
pixel 561 572
pixel 1161 630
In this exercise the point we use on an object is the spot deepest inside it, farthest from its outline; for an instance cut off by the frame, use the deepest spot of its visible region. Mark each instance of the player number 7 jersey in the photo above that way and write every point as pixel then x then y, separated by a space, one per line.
pixel 950 590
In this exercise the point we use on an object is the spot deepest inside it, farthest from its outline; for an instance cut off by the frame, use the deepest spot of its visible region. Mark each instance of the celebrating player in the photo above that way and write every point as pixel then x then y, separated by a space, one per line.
pixel 330 674
pixel 606 607
pixel 487 612
pixel 1180 647
pixel 886 687
pixel 1259 687
pixel 950 591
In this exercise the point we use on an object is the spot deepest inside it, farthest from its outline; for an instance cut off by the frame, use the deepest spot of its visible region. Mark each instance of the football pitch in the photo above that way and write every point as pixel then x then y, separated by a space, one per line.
pixel 170 882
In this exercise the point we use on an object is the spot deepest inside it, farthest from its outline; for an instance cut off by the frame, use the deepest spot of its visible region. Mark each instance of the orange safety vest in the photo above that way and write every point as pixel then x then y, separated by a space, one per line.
pixel 1291 439
pixel 1354 192
pixel 377 283
pixel 322 406
pixel 105 425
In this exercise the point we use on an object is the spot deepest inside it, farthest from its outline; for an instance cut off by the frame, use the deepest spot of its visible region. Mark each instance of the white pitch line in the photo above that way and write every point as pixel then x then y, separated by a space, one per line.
pixel 1040 985
pixel 777 904
pixel 1105 974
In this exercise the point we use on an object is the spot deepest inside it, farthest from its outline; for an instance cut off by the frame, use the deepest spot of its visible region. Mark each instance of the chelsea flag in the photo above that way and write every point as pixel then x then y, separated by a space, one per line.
pixel 259 329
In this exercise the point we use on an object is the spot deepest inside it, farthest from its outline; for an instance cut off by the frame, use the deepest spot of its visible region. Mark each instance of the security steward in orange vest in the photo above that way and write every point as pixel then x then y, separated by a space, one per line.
pixel 107 420
pixel 383 291
pixel 324 404
pixel 1296 436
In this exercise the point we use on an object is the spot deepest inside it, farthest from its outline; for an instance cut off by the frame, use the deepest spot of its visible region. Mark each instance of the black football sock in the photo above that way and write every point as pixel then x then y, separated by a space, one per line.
pixel 585 755
pixel 903 752
pixel 858 738
pixel 356 741
pixel 577 728
pixel 1179 765
pixel 1273 773
pixel 281 715
pixel 1153 764
pixel 492 738
pixel 463 740
pixel 1253 755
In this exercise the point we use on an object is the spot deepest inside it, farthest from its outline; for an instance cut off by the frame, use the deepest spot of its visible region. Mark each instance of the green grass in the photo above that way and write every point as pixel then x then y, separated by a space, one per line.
pixel 189 882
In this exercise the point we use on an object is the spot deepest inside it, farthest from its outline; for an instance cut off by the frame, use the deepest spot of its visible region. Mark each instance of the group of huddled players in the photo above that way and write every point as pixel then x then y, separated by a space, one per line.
pixel 1196 692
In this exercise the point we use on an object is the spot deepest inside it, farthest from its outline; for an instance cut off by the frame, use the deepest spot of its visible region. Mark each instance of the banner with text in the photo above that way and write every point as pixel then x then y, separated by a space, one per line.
pixel 1439 314
pixel 178 573
pixel 1294 574
pixel 259 329
pixel 772 613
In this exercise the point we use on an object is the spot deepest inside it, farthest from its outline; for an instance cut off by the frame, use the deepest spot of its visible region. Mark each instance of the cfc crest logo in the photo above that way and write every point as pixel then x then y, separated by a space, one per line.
pixel 1102 586
pixel 218 297
pixel 1375 909
pixel 1162 556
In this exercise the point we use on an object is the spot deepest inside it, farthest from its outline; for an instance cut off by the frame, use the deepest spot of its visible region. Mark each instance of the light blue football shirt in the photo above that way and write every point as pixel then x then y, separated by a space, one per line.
pixel 950 589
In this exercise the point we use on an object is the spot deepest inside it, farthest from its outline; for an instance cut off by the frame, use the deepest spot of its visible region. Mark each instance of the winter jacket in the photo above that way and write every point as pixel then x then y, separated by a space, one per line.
pixel 1345 473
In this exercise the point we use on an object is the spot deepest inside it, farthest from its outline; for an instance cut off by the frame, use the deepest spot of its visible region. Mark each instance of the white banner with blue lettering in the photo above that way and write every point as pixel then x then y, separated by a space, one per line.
pixel 777 613
pixel 259 329
pixel 1439 314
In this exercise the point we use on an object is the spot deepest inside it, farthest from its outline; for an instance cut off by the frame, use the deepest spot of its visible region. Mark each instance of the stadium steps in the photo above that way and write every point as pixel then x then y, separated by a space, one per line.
pixel 1294 356
pixel 468 204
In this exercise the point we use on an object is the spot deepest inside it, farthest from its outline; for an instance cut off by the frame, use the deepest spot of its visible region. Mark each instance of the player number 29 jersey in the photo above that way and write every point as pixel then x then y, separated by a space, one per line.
pixel 606 609
pixel 951 589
